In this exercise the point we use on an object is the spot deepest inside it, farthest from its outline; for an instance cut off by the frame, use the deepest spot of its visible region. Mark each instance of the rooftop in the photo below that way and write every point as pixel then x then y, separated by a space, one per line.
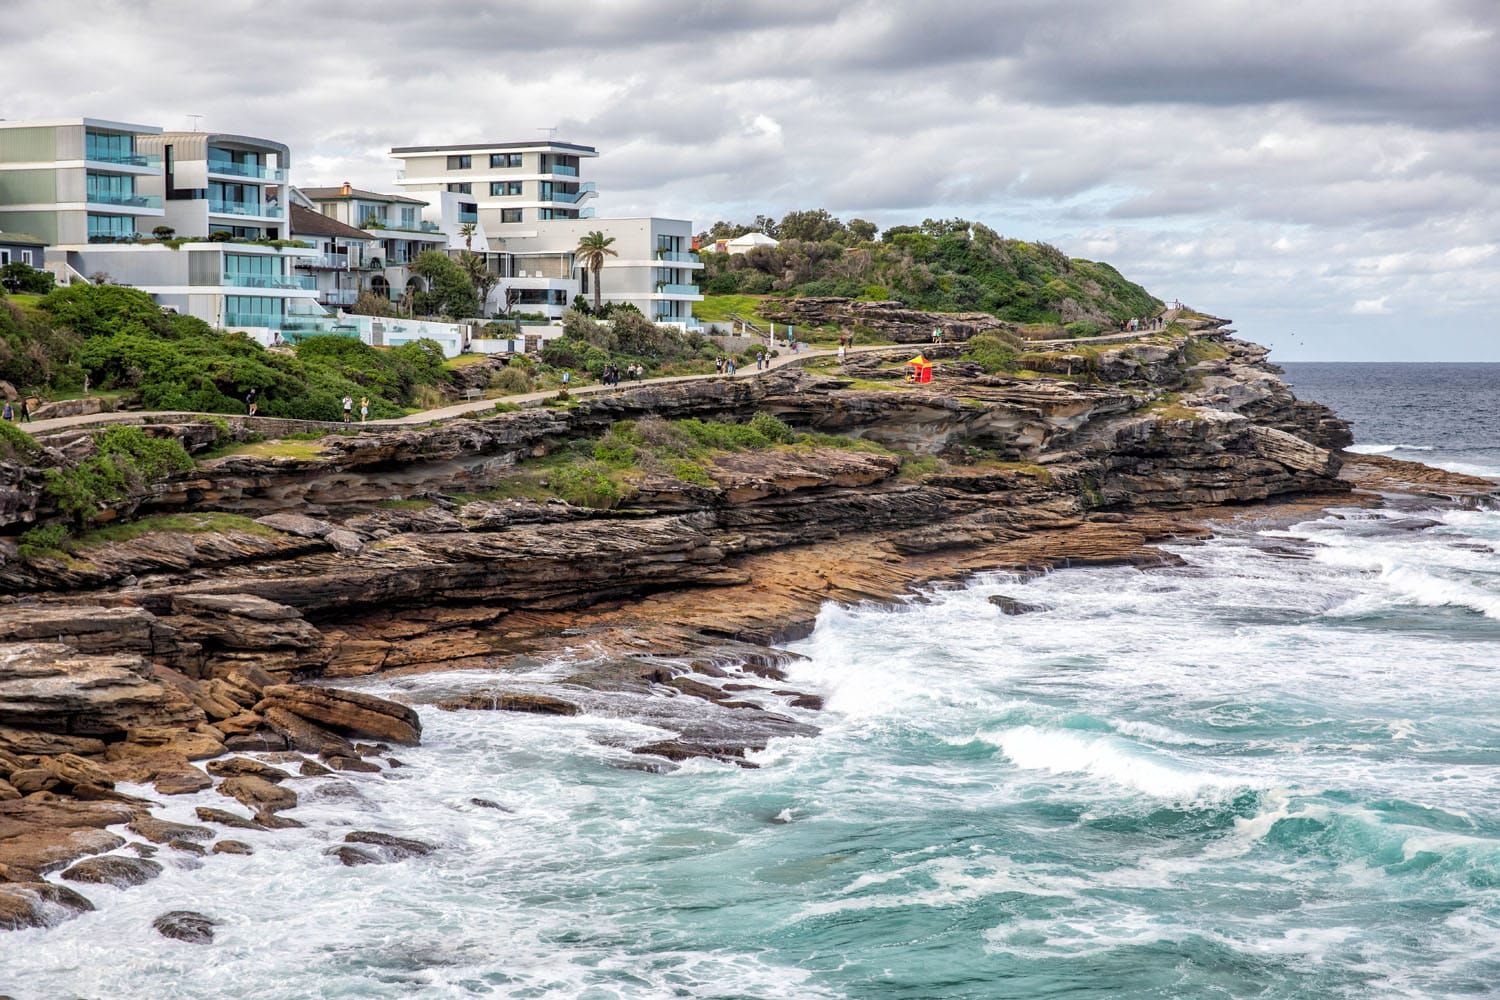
pixel 346 192
pixel 306 222
pixel 476 147
pixel 21 238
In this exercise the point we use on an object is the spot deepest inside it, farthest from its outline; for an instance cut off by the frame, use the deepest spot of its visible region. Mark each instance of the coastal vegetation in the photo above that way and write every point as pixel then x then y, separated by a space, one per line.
pixel 942 265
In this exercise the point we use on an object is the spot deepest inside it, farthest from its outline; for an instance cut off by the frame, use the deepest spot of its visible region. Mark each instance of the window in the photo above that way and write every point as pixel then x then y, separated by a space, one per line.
pixel 505 189
pixel 464 188
pixel 109 148
pixel 4 257
pixel 505 160
pixel 111 188
pixel 106 227
pixel 510 215
pixel 460 162
pixel 557 213
pixel 408 217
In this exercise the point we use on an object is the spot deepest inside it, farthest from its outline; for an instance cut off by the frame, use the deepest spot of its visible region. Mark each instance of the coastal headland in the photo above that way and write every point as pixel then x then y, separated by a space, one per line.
pixel 649 545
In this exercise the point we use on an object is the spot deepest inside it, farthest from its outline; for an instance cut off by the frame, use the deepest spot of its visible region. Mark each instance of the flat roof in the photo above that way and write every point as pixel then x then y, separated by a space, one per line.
pixel 475 147
pixel 21 238
pixel 103 123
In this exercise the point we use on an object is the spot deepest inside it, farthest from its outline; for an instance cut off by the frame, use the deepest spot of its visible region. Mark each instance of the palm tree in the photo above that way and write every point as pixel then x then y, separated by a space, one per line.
pixel 592 250
pixel 467 232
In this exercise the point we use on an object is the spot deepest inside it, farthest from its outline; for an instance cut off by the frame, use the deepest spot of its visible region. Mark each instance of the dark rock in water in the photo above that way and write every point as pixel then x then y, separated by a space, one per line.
pixel 38 904
pixel 351 713
pixel 183 782
pixel 731 753
pixel 809 701
pixel 113 870
pixel 258 793
pixel 312 769
pixel 256 742
pixel 270 821
pixel 393 762
pixel 509 702
pixel 241 766
pixel 377 848
pixel 185 925
pixel 161 831
pixel 1011 606
pixel 226 818
pixel 1411 524
pixel 188 847
pixel 233 847
pixel 339 762
pixel 488 804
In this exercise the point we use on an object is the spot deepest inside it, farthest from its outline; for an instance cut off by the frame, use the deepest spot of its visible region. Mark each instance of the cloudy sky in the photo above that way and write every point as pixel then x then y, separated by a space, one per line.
pixel 1327 174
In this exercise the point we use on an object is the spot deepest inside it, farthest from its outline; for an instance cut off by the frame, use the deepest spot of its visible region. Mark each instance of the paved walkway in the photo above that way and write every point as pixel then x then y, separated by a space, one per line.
pixel 537 398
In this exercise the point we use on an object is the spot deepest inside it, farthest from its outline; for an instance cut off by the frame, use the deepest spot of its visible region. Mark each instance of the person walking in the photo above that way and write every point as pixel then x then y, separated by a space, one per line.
pixel 348 408
pixel 25 409
pixel 567 379
pixel 729 366
pixel 364 409
pixel 7 414
pixel 251 404
pixel 841 352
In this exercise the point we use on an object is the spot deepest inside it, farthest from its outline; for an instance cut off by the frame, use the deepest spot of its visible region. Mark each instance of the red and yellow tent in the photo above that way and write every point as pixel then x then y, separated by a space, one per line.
pixel 921 369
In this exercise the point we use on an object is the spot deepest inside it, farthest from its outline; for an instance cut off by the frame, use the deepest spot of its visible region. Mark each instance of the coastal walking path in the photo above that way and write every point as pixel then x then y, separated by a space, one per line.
pixel 537 398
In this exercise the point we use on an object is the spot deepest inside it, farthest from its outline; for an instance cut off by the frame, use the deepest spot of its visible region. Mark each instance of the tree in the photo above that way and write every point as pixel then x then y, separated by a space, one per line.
pixel 481 277
pixel 467 232
pixel 862 230
pixel 592 250
pixel 370 304
pixel 452 291
pixel 163 232
pixel 21 278
pixel 811 226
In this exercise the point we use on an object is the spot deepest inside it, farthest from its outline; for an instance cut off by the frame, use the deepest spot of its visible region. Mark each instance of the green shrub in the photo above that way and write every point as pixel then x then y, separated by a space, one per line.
pixel 512 380
pixel 43 539
pixel 772 428
pixel 124 460
pixel 585 484
pixel 1083 328
pixel 691 472
pixel 16 444
pixel 23 279
pixel 993 352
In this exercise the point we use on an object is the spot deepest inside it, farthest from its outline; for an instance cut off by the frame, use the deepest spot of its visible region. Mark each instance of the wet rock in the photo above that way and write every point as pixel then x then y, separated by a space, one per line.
pixel 1011 606
pixel 378 848
pixel 540 704
pixel 38 904
pixel 812 702
pixel 185 925
pixel 161 831
pixel 182 782
pixel 41 835
pixel 340 762
pixel 188 847
pixel 312 769
pixel 233 847
pixel 112 869
pixel 351 713
pixel 224 817
pixel 234 766
pixel 142 850
pixel 151 740
pixel 489 804
pixel 271 821
pixel 393 762
pixel 53 687
pixel 306 735
pixel 10 873
pixel 258 793
pixel 732 753
pixel 43 743
pixel 256 742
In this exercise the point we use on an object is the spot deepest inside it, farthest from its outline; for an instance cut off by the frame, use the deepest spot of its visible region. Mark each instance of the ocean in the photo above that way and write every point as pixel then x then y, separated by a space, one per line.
pixel 1267 772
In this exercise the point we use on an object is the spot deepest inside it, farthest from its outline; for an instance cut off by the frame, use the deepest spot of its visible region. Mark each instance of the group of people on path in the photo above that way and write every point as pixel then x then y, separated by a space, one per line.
pixel 724 366
pixel 611 375
pixel 14 414
pixel 1150 323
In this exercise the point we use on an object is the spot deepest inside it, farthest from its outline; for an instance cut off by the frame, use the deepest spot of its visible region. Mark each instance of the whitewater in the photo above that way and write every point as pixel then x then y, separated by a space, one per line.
pixel 1267 772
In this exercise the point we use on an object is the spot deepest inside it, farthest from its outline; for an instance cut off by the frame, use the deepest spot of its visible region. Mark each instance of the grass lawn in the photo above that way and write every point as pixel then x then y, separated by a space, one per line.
pixel 276 448
pixel 465 360
pixel 719 308
pixel 23 300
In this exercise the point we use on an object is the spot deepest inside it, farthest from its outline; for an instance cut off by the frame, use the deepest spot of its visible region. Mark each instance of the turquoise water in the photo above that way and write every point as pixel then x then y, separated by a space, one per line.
pixel 1268 773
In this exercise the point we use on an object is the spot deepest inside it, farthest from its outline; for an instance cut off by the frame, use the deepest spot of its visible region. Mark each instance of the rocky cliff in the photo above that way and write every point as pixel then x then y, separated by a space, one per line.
pixel 132 657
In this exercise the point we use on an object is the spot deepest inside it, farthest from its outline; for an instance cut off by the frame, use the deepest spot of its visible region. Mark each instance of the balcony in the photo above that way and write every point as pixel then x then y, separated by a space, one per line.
pixel 325 262
pixel 571 197
pixel 415 227
pixel 468 217
pixel 562 170
pixel 678 256
pixel 301 281
pixel 666 289
pixel 124 199
pixel 253 170
pixel 216 207
pixel 337 296
pixel 270 321
pixel 123 159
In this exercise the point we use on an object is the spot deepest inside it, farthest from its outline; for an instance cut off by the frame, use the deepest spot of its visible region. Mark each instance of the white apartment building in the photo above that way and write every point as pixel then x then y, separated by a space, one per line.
pixel 526 201
pixel 96 190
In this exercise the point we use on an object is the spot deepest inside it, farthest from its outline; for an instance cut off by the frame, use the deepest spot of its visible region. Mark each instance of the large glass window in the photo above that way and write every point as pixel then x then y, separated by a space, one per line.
pixel 505 160
pixel 408 217
pixel 252 310
pixel 510 215
pixel 464 188
pixel 368 212
pixel 252 265
pixel 110 226
pixel 106 148
pixel 115 188
pixel 460 162
pixel 505 189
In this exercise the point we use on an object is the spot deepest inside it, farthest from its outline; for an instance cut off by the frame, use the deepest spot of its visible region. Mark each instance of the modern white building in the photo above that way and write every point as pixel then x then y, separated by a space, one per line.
pixel 97 190
pixel 741 244
pixel 528 205
pixel 67 181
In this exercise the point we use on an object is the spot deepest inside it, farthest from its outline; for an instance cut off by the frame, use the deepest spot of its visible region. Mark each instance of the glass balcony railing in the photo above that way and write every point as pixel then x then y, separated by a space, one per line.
pixel 269 321
pixel 464 217
pixel 255 170
pixel 665 289
pixel 270 281
pixel 325 262
pixel 217 207
pixel 337 296
pixel 571 197
pixel 679 256
pixel 585 213
pixel 564 170
pixel 125 199
pixel 123 159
